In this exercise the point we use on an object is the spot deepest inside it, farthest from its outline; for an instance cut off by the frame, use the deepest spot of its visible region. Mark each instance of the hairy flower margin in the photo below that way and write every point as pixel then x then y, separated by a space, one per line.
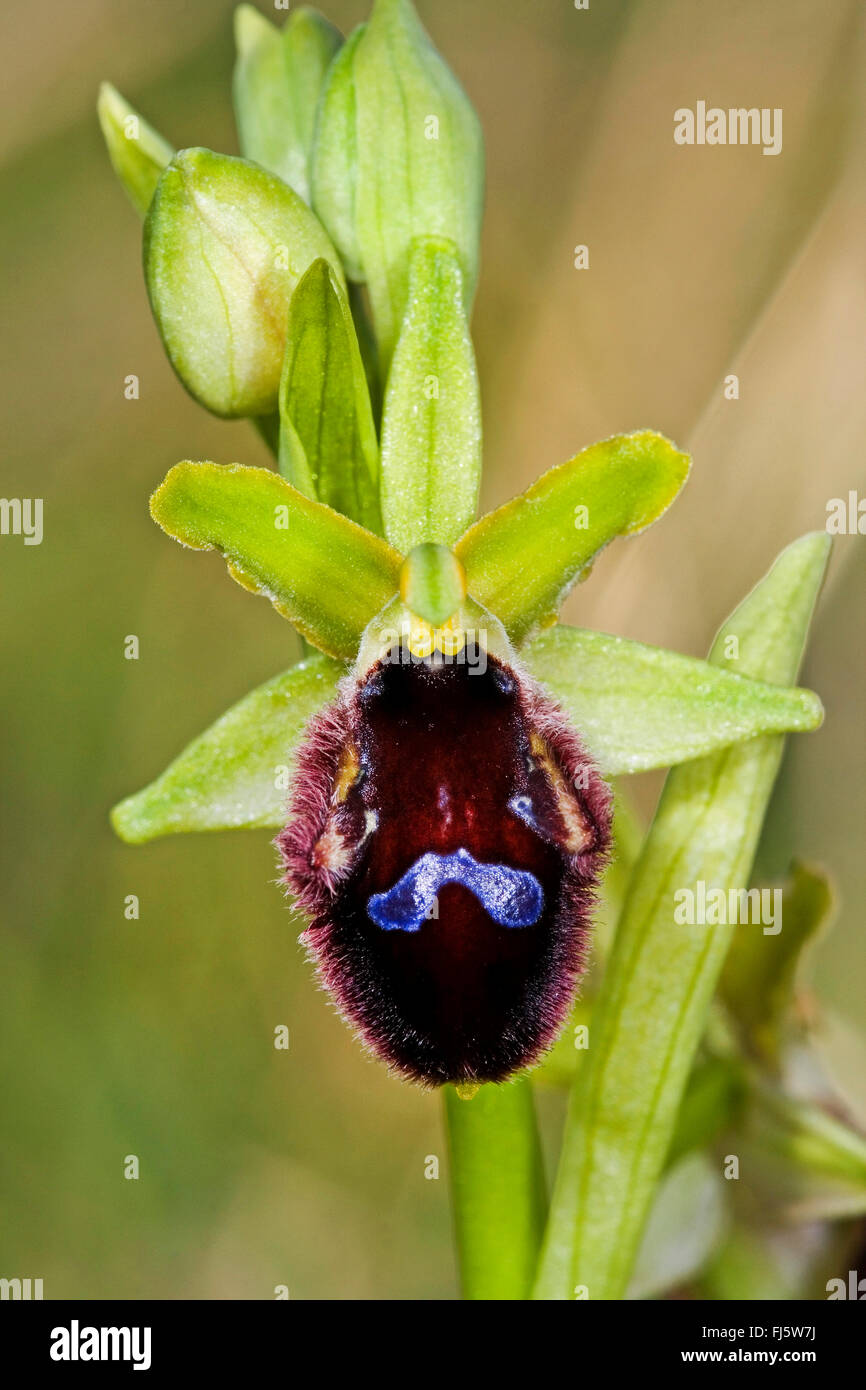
pixel 321 286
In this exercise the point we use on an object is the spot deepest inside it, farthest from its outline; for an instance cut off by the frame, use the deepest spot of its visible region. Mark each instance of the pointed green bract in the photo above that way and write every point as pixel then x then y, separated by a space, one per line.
pixel 325 574
pixel 278 80
pixel 522 559
pixel 328 445
pixel 225 245
pixel 137 152
pixel 432 583
pixel 401 157
pixel 639 707
pixel 431 423
pixel 236 774
pixel 652 1007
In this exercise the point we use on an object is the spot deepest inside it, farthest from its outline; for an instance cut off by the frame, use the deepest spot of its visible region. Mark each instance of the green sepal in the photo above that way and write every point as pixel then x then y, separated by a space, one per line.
pixel 431 422
pixel 639 707
pixel 236 774
pixel 522 559
pixel 277 83
pixel 225 244
pixel 324 573
pixel 328 444
pixel 138 153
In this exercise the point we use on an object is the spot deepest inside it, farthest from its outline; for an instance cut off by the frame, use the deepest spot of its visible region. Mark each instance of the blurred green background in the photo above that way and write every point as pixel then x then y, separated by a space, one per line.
pixel 155 1037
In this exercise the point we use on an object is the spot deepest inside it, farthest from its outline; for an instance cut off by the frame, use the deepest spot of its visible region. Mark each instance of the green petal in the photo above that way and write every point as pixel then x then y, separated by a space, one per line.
pixel 652 1007
pixel 522 559
pixel 325 574
pixel 328 437
pixel 640 707
pixel 234 775
pixel 278 79
pixel 137 152
pixel 225 244
pixel 759 977
pixel 431 424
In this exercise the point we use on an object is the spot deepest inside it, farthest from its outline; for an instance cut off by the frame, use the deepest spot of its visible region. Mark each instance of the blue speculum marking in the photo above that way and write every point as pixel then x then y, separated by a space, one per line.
pixel 512 897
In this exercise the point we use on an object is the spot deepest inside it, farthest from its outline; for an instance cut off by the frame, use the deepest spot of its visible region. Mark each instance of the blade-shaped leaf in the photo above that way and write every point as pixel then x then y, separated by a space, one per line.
pixel 656 992
pixel 137 152
pixel 522 559
pixel 277 82
pixel 639 707
pixel 327 436
pixel 324 573
pixel 431 423
pixel 234 776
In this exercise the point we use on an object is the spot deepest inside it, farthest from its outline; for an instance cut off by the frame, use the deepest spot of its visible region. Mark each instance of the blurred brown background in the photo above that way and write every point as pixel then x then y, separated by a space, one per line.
pixel 154 1037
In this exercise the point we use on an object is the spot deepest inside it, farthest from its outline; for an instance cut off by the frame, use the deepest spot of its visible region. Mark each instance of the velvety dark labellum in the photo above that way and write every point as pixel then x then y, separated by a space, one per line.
pixel 447 830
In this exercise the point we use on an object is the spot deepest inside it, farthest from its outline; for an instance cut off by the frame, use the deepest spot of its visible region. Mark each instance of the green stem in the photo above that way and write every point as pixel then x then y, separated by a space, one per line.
pixel 498 1188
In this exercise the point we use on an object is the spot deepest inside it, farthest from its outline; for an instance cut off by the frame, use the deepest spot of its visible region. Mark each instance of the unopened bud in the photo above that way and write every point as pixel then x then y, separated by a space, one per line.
pixel 225 244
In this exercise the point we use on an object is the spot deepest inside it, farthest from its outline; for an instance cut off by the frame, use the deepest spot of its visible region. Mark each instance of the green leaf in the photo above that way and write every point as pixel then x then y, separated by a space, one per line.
pixel 758 981
pixel 640 707
pixel 522 559
pixel 137 152
pixel 398 123
pixel 225 244
pixel 431 424
pixel 328 445
pixel 656 992
pixel 278 79
pixel 432 583
pixel 235 775
pixel 498 1189
pixel 325 574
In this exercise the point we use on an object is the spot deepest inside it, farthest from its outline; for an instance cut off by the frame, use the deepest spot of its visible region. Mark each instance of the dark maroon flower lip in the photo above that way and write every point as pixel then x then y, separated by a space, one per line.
pixel 447 832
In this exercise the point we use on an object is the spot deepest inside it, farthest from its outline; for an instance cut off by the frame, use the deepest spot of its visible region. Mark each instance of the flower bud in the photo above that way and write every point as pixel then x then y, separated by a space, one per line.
pixel 225 243
pixel 334 161
pixel 398 155
pixel 137 152
pixel 447 833
pixel 277 83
